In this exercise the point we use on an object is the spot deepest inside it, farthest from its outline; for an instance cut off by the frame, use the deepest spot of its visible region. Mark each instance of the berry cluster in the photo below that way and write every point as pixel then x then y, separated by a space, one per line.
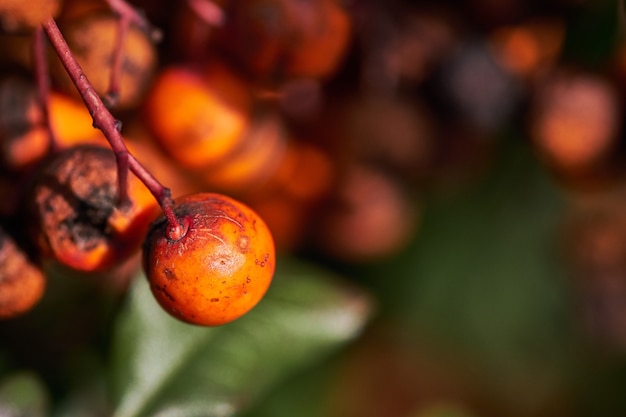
pixel 86 202
pixel 329 119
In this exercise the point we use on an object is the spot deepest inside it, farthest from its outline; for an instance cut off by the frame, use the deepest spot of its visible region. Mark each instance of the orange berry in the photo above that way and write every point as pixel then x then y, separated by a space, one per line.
pixel 306 172
pixel 198 119
pixel 370 217
pixel 575 120
pixel 20 15
pixel 22 283
pixel 285 38
pixel 254 161
pixel 24 151
pixel 254 34
pixel 321 41
pixel 24 134
pixel 92 39
pixel 71 122
pixel 530 47
pixel 219 268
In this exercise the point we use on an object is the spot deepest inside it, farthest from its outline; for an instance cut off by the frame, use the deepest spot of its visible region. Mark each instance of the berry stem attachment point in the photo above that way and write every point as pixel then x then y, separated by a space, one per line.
pixel 104 120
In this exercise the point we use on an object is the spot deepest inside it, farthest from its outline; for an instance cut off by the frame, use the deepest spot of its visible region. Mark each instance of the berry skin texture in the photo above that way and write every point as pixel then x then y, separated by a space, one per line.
pixel 217 268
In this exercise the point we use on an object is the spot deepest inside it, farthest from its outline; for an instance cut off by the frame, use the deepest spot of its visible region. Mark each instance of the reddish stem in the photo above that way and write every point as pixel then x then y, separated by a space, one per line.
pixel 104 120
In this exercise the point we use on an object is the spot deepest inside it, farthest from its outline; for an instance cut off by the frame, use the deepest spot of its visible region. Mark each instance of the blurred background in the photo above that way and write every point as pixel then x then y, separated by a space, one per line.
pixel 482 204
pixel 461 162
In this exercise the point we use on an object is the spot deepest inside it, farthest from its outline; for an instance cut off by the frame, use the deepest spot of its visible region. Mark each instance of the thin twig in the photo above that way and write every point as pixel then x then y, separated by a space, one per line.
pixel 110 127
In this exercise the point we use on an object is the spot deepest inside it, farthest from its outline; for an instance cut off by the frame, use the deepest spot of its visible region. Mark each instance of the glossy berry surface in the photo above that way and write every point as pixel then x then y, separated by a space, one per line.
pixel 216 267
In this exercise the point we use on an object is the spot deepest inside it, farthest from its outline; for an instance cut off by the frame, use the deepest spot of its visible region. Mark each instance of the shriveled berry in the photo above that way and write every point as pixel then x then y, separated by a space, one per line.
pixel 216 267
pixel 77 219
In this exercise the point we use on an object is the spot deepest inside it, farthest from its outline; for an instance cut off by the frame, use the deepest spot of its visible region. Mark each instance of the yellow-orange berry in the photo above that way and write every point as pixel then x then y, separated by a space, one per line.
pixel 198 119
pixel 71 122
pixel 218 268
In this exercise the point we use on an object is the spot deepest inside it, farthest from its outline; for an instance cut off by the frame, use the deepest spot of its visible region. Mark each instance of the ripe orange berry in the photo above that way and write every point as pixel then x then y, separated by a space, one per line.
pixel 198 119
pixel 218 268
pixel 71 122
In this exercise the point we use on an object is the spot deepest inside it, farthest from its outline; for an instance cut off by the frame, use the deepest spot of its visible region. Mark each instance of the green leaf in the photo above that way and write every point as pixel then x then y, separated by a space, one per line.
pixel 163 367
pixel 23 394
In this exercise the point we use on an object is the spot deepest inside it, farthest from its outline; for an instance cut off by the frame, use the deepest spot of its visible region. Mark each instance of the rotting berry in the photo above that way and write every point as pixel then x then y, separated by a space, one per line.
pixel 216 267
pixel 78 220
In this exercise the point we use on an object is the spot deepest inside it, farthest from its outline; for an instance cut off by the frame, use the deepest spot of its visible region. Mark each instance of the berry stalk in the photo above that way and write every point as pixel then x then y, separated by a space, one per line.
pixel 110 127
